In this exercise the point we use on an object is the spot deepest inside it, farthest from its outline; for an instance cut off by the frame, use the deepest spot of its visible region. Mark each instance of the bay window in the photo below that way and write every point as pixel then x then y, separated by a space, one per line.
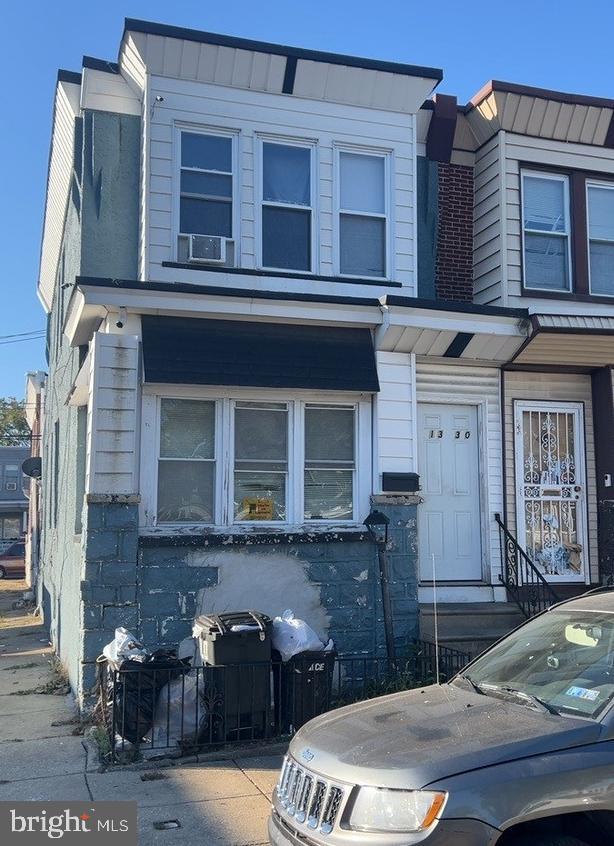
pixel 600 220
pixel 234 459
pixel 362 214
pixel 286 206
pixel 546 230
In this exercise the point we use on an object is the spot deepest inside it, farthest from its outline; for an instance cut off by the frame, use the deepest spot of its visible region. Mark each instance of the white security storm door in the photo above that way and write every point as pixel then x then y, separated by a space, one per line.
pixel 551 487
pixel 449 517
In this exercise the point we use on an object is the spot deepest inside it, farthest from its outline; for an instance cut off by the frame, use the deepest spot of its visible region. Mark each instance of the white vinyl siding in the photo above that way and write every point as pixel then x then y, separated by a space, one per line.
pixel 487 224
pixel 251 115
pixel 395 412
pixel 456 383
pixel 553 387
pixel 112 430
pixel 61 163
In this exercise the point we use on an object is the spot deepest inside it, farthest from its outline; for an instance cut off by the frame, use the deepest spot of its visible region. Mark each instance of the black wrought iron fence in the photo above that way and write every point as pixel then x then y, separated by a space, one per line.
pixel 181 710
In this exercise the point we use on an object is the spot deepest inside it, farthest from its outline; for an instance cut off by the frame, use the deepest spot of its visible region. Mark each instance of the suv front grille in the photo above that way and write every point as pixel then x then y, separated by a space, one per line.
pixel 308 798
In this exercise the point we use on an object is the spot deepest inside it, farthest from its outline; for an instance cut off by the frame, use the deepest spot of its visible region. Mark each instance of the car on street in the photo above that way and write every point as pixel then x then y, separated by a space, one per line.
pixel 516 750
pixel 13 561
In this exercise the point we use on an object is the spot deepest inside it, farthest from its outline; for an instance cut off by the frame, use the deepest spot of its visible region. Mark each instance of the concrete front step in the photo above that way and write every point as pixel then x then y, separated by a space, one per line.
pixel 469 627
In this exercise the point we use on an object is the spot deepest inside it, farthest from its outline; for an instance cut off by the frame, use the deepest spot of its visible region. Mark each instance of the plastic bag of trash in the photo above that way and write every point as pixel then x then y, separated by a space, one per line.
pixel 123 647
pixel 180 713
pixel 189 649
pixel 291 636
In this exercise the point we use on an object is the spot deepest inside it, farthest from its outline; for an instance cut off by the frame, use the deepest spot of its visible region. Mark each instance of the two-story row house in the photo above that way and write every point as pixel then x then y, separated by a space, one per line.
pixel 283 286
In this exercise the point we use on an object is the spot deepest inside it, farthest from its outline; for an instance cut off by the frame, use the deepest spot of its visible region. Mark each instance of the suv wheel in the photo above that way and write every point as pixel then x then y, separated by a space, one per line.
pixel 2 573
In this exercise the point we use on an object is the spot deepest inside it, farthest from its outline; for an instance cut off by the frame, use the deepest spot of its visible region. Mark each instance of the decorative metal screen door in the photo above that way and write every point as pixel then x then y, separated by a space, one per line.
pixel 551 488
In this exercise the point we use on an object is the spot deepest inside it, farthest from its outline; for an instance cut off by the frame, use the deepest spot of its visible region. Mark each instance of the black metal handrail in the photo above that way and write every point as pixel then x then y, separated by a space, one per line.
pixel 524 582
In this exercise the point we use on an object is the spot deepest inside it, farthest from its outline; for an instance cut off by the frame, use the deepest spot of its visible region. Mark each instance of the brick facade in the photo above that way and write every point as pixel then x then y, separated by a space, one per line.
pixel 454 263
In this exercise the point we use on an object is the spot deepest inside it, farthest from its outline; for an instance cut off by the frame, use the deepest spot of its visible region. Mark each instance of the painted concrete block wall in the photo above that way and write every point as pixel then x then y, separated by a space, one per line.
pixel 330 580
pixel 108 589
pixel 99 237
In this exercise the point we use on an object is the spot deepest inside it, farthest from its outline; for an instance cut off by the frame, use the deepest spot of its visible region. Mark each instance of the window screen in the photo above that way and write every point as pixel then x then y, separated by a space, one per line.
pixel 206 185
pixel 286 206
pixel 261 461
pixel 362 219
pixel 329 463
pixel 546 232
pixel 601 238
pixel 186 465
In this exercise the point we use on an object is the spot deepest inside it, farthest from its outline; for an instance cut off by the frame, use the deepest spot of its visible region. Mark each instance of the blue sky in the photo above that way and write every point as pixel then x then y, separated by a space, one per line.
pixel 564 45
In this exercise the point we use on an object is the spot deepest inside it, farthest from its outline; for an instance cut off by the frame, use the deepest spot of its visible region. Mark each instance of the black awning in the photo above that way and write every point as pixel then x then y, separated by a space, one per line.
pixel 191 351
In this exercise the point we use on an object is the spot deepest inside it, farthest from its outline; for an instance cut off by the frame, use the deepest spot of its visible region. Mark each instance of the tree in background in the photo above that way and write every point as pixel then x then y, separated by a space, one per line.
pixel 14 429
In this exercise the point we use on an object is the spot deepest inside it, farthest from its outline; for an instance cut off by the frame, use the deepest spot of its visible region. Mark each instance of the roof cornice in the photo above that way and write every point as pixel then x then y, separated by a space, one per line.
pixel 168 31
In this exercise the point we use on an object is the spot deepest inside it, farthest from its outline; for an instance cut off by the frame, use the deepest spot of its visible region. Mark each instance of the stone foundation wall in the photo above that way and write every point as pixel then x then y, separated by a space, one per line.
pixel 157 585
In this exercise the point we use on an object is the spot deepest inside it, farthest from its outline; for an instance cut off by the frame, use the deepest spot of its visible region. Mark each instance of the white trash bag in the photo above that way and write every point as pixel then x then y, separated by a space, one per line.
pixel 173 722
pixel 291 636
pixel 124 645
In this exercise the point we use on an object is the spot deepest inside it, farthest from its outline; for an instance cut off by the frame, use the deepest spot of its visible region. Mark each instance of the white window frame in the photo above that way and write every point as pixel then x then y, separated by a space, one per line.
pixel 224 454
pixel 221 132
pixel 388 156
pixel 557 177
pixel 286 141
pixel 595 183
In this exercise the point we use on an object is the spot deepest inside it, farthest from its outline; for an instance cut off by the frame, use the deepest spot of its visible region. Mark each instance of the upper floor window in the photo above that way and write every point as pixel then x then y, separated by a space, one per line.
pixel 11 476
pixel 205 203
pixel 286 206
pixel 362 214
pixel 546 227
pixel 600 220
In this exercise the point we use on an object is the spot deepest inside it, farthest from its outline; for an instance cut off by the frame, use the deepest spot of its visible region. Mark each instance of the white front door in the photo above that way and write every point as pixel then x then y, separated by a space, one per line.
pixel 449 518
pixel 551 487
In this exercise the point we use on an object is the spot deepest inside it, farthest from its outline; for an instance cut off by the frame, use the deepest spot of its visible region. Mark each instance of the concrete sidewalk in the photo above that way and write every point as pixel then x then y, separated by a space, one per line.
pixel 221 803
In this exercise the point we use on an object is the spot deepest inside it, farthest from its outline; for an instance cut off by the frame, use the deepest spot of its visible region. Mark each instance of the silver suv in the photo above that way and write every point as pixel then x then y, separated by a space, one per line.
pixel 517 749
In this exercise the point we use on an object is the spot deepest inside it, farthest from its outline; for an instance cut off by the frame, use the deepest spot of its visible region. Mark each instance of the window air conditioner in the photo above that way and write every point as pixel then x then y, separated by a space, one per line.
pixel 11 486
pixel 207 249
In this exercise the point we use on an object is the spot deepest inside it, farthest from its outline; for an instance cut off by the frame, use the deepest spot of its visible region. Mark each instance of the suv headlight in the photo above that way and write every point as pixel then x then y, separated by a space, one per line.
pixel 378 809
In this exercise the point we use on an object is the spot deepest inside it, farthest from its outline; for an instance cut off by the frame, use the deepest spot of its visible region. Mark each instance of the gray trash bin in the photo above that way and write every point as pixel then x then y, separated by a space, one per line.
pixel 236 653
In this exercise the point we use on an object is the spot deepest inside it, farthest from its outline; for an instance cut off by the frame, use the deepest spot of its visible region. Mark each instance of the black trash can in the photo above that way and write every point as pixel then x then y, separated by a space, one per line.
pixel 236 653
pixel 303 687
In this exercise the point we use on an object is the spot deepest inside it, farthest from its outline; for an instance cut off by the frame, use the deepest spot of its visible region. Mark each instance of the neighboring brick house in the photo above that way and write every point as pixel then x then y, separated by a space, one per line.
pixel 268 312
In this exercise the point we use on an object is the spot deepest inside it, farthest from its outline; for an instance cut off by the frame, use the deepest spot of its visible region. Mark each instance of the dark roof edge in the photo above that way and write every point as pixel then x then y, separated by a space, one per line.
pixel 217 291
pixel 541 93
pixel 100 65
pixel 250 293
pixel 451 305
pixel 168 31
pixel 69 76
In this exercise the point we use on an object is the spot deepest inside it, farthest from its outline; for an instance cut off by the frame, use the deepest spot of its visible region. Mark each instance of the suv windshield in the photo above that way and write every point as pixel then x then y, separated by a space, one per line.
pixel 563 659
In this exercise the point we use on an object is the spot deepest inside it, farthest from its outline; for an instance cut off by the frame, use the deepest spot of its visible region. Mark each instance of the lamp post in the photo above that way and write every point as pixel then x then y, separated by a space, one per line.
pixel 377 525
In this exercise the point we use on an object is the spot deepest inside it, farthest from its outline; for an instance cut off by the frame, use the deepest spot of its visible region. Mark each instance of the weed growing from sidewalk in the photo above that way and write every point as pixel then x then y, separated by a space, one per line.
pixel 57 685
